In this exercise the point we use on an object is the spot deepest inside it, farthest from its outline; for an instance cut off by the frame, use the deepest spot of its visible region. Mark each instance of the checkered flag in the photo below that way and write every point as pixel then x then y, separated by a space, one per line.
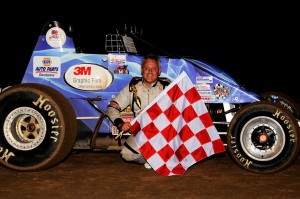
pixel 175 131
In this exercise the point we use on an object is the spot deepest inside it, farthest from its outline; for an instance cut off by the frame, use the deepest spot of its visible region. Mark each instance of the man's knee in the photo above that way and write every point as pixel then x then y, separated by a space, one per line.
pixel 132 157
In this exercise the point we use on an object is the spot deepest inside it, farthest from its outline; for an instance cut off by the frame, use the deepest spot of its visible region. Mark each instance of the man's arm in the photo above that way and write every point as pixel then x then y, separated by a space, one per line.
pixel 119 103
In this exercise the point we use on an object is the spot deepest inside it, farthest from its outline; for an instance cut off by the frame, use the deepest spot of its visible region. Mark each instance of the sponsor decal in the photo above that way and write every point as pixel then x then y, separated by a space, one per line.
pixel 205 93
pixel 48 67
pixel 123 69
pixel 88 77
pixel 200 87
pixel 125 118
pixel 119 59
pixel 207 98
pixel 221 92
pixel 56 37
pixel 204 79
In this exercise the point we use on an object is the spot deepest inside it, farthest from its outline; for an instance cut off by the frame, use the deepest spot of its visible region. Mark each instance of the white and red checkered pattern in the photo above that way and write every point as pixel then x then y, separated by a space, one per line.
pixel 175 131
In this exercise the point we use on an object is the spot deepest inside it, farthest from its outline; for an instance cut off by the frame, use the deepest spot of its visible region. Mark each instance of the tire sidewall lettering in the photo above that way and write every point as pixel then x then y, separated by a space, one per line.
pixel 44 106
pixel 43 103
pixel 279 115
pixel 288 128
pixel 41 127
pixel 244 160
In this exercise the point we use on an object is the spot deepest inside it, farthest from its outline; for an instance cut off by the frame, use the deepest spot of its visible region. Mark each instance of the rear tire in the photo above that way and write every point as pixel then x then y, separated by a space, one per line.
pixel 38 127
pixel 263 137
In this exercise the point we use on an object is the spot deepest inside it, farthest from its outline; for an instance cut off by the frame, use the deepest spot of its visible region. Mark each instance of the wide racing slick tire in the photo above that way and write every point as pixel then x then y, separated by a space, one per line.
pixel 263 137
pixel 38 127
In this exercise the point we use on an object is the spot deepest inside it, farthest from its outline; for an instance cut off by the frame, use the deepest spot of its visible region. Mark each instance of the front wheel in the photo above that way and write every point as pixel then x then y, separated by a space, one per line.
pixel 263 137
pixel 38 127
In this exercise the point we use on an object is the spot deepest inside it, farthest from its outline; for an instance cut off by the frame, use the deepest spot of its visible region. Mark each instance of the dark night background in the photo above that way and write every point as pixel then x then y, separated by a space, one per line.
pixel 255 43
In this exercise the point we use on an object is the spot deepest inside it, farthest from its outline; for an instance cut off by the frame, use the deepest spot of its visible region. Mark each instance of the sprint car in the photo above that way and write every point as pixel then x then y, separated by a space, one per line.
pixel 60 104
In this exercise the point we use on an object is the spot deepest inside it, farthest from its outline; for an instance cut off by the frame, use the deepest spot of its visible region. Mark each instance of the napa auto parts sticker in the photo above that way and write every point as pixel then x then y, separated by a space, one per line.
pixel 88 77
pixel 46 66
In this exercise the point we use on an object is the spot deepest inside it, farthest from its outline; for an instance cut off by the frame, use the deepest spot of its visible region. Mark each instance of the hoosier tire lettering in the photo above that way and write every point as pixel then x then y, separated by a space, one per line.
pixel 239 156
pixel 278 114
pixel 47 107
pixel 40 127
pixel 263 137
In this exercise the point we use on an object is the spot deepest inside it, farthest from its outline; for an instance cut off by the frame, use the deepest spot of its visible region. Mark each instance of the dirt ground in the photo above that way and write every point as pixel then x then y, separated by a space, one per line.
pixel 88 174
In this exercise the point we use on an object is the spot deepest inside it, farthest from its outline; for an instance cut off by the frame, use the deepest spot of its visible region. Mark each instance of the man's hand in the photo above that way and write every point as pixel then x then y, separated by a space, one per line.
pixel 125 127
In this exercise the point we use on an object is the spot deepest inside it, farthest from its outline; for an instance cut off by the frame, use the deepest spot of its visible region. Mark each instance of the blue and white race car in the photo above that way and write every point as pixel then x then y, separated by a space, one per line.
pixel 61 101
